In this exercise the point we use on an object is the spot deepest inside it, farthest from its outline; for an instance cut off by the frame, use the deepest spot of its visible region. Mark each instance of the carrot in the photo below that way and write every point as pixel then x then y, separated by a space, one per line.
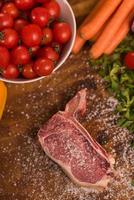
pixel 79 41
pixel 120 35
pixel 92 13
pixel 96 36
pixel 94 25
pixel 111 29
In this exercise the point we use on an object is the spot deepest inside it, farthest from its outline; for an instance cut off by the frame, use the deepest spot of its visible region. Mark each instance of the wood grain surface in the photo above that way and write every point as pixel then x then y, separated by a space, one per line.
pixel 26 173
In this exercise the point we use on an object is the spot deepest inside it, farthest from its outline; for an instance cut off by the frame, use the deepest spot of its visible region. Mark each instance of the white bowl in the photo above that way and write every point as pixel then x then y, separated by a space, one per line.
pixel 68 15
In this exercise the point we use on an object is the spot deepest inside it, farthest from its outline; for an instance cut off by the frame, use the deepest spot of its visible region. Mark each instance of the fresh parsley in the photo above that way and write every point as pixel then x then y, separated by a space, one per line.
pixel 119 81
pixel 132 182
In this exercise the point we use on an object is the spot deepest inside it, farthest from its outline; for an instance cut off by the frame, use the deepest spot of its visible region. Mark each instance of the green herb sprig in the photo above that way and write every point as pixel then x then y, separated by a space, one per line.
pixel 119 81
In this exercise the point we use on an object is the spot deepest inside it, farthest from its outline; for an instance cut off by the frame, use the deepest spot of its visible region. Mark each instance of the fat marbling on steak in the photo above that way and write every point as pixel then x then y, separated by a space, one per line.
pixel 68 143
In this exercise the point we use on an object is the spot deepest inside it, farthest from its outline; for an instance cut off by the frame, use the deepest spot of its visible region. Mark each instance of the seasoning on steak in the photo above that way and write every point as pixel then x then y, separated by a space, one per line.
pixel 68 143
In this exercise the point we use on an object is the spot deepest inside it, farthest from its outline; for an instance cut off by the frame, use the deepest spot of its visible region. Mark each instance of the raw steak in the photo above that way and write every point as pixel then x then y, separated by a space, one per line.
pixel 67 143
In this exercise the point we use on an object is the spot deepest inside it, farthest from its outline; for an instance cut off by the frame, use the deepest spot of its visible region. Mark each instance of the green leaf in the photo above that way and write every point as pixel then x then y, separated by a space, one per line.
pixel 114 85
pixel 132 182
pixel 115 70
pixel 119 81
pixel 132 144
pixel 124 78
pixel 121 121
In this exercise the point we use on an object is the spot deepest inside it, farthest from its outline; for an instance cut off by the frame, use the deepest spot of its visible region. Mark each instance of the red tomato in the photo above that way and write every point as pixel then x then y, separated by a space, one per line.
pixel 28 72
pixel 48 52
pixel 20 55
pixel 9 38
pixel 11 72
pixel 53 9
pixel 43 66
pixel 24 4
pixel 47 36
pixel 19 24
pixel 6 21
pixel 1 4
pixel 129 60
pixel 31 35
pixel 41 1
pixel 33 50
pixel 62 32
pixel 40 16
pixel 4 57
pixel 10 8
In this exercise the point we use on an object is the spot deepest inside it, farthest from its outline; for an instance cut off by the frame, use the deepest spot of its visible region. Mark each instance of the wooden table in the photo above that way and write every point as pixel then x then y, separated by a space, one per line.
pixel 26 173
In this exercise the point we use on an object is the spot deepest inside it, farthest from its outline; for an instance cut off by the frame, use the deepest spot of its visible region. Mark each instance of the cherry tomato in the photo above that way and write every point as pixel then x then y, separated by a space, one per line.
pixel 11 72
pixel 10 8
pixel 31 35
pixel 19 24
pixel 33 50
pixel 4 57
pixel 1 4
pixel 40 16
pixel 28 72
pixel 129 60
pixel 43 66
pixel 62 32
pixel 41 1
pixel 6 21
pixel 48 52
pixel 9 38
pixel 53 9
pixel 47 36
pixel 20 55
pixel 24 4
pixel 57 47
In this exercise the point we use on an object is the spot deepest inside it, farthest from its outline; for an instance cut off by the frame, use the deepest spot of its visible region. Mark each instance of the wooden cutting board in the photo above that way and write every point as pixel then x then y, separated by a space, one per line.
pixel 26 173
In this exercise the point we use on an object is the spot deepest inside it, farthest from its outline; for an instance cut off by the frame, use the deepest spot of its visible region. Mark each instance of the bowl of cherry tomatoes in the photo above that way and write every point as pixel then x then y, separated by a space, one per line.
pixel 36 38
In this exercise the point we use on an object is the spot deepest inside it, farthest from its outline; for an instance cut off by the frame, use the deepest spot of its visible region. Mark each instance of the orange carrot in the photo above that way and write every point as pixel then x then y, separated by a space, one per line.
pixel 120 35
pixel 96 36
pixel 111 29
pixel 94 25
pixel 79 41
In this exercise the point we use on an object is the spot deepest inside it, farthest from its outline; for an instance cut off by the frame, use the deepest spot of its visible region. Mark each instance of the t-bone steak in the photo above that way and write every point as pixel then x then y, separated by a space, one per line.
pixel 68 143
